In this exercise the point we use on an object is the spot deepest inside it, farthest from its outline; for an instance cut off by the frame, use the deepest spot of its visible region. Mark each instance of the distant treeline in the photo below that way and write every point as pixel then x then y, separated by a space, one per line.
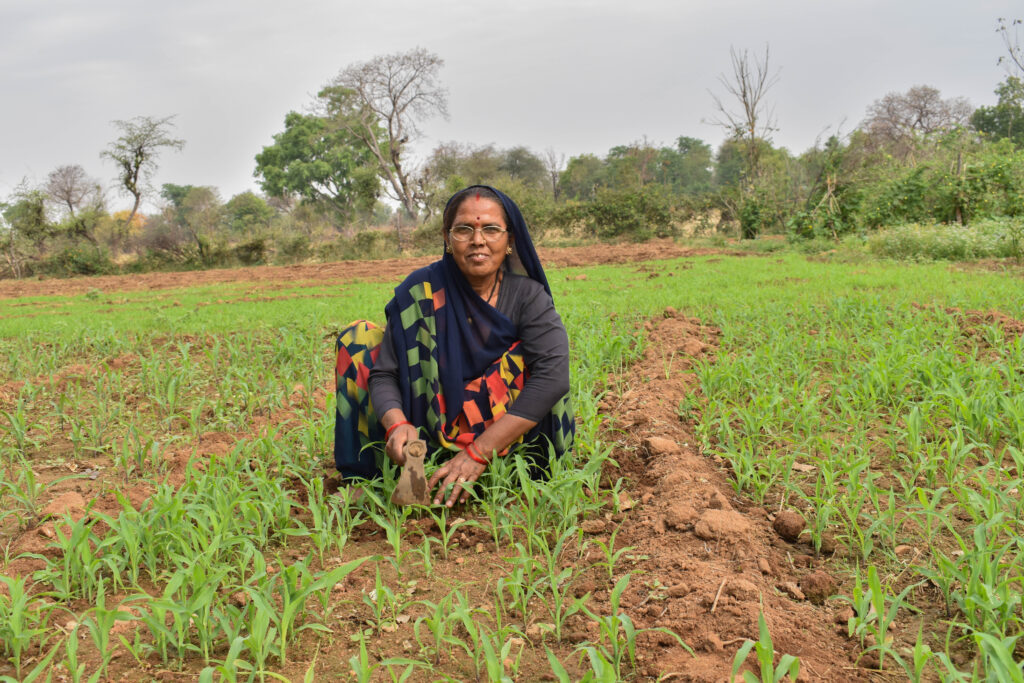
pixel 916 158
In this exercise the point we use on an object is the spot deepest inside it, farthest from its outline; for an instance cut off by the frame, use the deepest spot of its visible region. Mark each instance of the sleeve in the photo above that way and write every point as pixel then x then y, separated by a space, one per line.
pixel 546 352
pixel 385 393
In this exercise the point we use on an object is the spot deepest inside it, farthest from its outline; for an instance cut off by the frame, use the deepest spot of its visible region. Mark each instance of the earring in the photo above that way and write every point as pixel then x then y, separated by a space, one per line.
pixel 508 250
pixel 448 247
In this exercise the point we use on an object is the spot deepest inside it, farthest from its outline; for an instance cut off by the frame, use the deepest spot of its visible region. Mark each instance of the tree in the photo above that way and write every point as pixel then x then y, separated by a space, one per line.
pixel 583 176
pixel 899 121
pixel 748 121
pixel 687 168
pixel 553 164
pixel 135 153
pixel 1006 119
pixel 319 159
pixel 748 85
pixel 523 165
pixel 391 92
pixel 1014 57
pixel 78 198
pixel 196 210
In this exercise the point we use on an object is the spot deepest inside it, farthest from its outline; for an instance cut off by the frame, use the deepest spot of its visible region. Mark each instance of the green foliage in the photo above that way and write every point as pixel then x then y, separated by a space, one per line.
pixel 788 667
pixel 319 159
pixel 638 215
pixel 994 238
pixel 1005 120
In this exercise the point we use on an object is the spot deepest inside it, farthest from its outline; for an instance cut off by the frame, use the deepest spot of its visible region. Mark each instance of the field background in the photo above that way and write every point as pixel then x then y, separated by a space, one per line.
pixel 165 506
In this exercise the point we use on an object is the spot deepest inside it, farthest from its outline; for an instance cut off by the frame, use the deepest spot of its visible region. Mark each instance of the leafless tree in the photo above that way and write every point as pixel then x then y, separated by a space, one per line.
pixel 135 153
pixel 392 94
pixel 1014 58
pixel 555 164
pixel 746 116
pixel 77 197
pixel 900 120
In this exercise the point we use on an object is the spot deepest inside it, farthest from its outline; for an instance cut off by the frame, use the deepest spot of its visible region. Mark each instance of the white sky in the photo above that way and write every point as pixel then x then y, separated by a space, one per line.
pixel 574 75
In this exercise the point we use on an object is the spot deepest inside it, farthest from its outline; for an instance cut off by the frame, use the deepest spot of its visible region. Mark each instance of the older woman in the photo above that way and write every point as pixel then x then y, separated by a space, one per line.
pixel 474 357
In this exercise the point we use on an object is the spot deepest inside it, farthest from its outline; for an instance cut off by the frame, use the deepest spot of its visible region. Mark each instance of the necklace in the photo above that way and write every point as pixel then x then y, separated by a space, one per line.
pixel 494 287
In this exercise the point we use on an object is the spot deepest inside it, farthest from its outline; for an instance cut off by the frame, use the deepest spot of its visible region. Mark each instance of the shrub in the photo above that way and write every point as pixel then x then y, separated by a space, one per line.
pixel 993 238
pixel 78 260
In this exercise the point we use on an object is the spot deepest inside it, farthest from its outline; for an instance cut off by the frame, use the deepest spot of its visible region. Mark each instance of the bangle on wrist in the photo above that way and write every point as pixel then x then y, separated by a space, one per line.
pixel 475 456
pixel 387 434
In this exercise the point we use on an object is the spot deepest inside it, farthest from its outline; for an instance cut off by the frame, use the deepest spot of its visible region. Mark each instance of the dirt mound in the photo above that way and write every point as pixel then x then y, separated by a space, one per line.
pixel 387 270
pixel 714 557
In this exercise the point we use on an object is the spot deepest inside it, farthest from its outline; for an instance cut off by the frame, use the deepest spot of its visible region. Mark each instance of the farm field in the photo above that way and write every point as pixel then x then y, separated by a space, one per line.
pixel 166 508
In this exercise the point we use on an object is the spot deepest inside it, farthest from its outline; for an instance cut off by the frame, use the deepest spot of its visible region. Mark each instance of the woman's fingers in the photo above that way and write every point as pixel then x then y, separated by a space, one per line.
pixel 459 473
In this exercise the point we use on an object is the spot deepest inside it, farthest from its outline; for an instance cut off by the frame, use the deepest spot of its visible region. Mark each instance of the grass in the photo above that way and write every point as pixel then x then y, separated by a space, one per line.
pixel 907 413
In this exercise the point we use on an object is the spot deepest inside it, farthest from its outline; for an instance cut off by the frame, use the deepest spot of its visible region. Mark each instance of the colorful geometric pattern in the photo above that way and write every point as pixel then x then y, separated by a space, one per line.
pixel 484 399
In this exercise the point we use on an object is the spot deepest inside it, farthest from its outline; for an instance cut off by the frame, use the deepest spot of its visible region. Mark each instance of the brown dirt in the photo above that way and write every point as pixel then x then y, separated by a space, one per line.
pixel 715 552
pixel 322 273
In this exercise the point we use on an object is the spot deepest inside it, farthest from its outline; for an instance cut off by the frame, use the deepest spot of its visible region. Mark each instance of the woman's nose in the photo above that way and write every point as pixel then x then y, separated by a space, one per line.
pixel 478 236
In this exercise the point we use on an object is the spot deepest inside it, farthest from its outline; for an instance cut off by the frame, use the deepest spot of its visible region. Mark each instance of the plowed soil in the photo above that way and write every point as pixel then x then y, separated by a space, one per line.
pixel 380 271
pixel 707 561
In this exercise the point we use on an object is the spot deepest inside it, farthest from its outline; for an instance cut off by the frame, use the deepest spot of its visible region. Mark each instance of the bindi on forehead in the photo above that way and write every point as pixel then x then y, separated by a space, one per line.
pixel 478 196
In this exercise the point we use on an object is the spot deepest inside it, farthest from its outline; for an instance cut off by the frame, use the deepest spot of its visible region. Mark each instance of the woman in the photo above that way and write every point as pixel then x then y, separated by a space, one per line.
pixel 474 358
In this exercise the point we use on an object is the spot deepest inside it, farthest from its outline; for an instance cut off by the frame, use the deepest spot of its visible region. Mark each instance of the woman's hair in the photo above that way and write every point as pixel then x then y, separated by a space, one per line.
pixel 477 191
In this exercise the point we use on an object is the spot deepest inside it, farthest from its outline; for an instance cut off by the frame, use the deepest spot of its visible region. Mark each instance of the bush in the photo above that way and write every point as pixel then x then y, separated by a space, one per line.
pixel 994 238
pixel 78 260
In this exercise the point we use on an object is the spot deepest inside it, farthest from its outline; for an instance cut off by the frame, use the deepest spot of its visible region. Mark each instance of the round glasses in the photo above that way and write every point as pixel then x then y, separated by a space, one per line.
pixel 464 233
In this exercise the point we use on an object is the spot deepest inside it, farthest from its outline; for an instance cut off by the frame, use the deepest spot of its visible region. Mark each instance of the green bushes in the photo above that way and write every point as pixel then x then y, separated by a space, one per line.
pixel 993 238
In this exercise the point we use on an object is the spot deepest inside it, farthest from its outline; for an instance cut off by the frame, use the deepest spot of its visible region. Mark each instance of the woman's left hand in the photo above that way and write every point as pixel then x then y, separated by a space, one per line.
pixel 457 472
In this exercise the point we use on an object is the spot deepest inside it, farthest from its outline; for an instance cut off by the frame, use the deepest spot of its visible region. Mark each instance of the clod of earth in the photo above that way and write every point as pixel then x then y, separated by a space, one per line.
pixel 789 525
pixel 656 445
pixel 721 525
pixel 818 587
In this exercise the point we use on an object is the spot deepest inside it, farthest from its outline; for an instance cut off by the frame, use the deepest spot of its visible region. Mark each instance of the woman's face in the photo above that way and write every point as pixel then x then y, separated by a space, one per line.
pixel 478 259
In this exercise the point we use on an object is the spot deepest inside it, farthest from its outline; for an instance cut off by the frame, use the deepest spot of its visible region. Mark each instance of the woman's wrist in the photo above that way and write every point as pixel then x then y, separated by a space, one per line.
pixel 390 430
pixel 473 451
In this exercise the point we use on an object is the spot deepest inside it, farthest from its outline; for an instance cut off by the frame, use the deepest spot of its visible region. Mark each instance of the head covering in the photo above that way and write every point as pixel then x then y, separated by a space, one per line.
pixel 523 260
pixel 443 330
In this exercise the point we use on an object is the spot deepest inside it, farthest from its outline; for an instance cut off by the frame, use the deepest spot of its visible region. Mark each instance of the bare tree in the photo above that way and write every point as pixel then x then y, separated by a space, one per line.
pixel 555 164
pixel 392 94
pixel 1009 31
pixel 135 153
pixel 78 197
pixel 900 120
pixel 747 117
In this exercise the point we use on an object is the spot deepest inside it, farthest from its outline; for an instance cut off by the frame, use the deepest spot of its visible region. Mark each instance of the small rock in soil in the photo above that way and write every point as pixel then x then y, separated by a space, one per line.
pixel 719 502
pixel 828 544
pixel 843 616
pixel 681 516
pixel 741 589
pixel 679 590
pixel 647 498
pixel 789 525
pixel 675 481
pixel 763 566
pixel 818 587
pixel 721 524
pixel 792 590
pixel 69 503
pixel 905 551
pixel 593 526
pixel 713 643
pixel 656 445
pixel 658 524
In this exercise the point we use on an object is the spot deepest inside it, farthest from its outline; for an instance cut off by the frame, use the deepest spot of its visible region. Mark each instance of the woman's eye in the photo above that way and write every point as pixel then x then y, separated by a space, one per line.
pixel 492 231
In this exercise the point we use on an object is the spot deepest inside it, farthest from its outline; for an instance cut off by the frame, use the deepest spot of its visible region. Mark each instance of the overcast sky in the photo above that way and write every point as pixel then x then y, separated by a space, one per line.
pixel 574 75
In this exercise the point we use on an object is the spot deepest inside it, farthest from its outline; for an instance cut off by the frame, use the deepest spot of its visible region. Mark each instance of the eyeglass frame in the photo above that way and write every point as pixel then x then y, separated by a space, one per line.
pixel 503 231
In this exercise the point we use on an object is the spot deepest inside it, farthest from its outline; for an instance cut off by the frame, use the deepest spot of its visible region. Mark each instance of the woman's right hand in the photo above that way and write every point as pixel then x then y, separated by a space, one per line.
pixel 396 442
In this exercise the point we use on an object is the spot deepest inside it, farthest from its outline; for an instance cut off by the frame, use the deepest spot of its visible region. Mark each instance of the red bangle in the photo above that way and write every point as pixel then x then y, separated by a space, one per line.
pixel 475 456
pixel 387 434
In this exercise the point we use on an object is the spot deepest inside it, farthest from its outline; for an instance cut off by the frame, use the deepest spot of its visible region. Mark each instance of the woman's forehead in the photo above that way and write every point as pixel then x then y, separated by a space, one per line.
pixel 480 208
